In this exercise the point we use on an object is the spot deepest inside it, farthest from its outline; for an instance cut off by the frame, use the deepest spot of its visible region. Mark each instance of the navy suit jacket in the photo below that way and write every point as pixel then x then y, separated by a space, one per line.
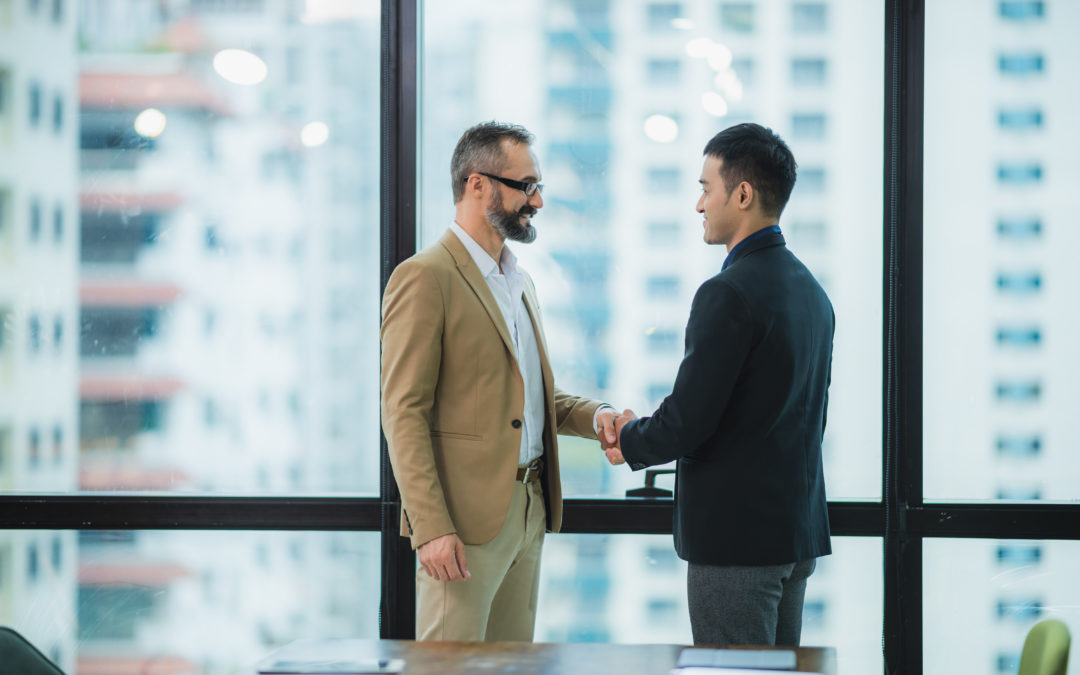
pixel 747 413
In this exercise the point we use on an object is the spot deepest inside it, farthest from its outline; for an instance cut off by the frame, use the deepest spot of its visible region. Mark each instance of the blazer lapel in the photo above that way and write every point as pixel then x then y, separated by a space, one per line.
pixel 531 304
pixel 471 273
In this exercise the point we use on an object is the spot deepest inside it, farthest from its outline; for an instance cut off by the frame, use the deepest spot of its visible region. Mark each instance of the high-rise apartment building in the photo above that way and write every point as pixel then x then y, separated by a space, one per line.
pixel 39 242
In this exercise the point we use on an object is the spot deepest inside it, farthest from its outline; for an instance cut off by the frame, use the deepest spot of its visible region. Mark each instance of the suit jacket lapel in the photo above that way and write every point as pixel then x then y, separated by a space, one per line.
pixel 545 366
pixel 471 273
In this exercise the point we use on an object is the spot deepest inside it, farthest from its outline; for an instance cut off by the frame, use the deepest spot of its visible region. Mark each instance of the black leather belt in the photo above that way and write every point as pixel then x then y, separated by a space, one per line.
pixel 531 473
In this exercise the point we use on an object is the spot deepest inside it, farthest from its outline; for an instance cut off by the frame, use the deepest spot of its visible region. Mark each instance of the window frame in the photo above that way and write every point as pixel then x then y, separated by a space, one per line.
pixel 900 519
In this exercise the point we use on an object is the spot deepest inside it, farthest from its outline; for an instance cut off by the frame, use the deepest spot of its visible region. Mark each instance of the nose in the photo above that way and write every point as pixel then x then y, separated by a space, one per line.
pixel 701 204
pixel 536 200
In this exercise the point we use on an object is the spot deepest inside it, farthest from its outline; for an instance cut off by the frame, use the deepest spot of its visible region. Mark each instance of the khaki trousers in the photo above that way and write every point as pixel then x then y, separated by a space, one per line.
pixel 497 603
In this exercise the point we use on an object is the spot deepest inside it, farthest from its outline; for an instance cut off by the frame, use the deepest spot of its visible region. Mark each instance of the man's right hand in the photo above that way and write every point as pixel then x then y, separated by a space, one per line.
pixel 443 558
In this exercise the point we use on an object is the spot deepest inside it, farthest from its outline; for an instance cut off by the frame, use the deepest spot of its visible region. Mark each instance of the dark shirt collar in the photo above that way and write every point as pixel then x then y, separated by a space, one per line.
pixel 747 245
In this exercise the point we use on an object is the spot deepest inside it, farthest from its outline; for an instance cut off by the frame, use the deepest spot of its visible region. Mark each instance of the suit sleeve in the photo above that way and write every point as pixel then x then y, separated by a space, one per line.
pixel 411 338
pixel 719 336
pixel 574 414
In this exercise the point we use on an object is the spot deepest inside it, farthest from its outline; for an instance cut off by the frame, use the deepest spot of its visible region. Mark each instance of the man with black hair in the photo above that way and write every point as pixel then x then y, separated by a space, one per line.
pixel 747 412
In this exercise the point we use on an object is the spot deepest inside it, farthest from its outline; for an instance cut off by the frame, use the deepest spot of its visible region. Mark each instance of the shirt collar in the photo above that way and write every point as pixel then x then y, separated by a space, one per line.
pixel 742 245
pixel 485 262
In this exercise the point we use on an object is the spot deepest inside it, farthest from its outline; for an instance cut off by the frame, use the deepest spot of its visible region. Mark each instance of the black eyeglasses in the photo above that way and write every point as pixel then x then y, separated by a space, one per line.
pixel 528 188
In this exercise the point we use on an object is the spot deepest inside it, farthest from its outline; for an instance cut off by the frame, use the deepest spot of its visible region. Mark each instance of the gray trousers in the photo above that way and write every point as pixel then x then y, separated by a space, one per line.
pixel 755 605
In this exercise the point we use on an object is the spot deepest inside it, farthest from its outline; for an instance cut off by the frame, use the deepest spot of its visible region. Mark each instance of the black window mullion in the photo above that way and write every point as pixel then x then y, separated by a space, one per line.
pixel 398 180
pixel 902 478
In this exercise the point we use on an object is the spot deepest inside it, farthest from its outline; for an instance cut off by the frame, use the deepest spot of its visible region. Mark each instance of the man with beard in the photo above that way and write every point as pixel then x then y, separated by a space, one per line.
pixel 469 406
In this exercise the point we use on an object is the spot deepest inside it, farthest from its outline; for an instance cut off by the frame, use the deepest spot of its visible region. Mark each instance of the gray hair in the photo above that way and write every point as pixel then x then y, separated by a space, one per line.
pixel 480 149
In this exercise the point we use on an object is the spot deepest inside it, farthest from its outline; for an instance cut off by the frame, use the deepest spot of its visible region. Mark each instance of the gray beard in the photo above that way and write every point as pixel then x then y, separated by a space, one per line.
pixel 507 223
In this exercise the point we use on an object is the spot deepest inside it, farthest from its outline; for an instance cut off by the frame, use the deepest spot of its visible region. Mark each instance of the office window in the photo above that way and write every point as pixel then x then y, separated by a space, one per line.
pixel 35 219
pixel 1020 119
pixel 808 72
pixel 58 442
pixel 744 69
pixel 658 392
pixel 810 180
pixel 663 71
pixel 58 113
pixel 806 232
pixel 1020 65
pixel 663 234
pixel 33 446
pixel 737 17
pixel 1026 337
pixel 809 17
pixel 1011 391
pixel 58 223
pixel 1025 611
pixel 1018 554
pixel 34 331
pixel 662 179
pixel 1019 493
pixel 1020 229
pixel 815 613
pixel 1019 283
pixel 57 553
pixel 33 562
pixel 1021 10
pixel 35 104
pixel 5 84
pixel 58 332
pixel 659 15
pixel 1019 446
pixel 1008 662
pixel 978 605
pixel 808 126
pixel 1019 174
pixel 662 287
pixel 662 341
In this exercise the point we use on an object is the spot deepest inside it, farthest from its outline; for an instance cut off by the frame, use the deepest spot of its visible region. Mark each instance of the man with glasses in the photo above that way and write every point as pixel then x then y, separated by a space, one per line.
pixel 470 408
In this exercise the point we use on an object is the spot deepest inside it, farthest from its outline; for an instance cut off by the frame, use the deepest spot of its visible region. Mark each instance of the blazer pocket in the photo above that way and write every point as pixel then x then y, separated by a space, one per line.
pixel 451 434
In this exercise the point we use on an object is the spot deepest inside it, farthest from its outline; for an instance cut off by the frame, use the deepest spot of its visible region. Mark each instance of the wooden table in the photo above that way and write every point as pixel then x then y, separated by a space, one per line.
pixel 525 658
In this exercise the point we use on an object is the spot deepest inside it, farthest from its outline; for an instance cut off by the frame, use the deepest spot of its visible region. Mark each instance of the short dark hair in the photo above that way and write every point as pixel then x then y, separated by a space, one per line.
pixel 755 154
pixel 480 149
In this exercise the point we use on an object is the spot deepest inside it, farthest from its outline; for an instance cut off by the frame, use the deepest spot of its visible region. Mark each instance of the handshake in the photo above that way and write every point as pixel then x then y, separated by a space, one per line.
pixel 609 426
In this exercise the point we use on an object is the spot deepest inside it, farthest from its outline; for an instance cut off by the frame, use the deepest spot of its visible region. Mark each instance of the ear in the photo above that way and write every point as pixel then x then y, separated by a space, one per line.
pixel 475 186
pixel 745 192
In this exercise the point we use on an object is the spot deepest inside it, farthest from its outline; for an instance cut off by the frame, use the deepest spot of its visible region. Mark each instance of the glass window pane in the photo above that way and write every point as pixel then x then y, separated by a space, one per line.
pixel 1000 365
pixel 632 589
pixel 106 602
pixel 619 138
pixel 980 598
pixel 189 246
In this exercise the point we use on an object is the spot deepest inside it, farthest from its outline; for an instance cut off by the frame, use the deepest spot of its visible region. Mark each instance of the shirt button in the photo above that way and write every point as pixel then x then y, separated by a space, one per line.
pixel 516 424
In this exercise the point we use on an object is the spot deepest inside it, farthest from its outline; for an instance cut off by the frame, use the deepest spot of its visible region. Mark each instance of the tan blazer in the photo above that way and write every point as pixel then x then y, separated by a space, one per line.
pixel 453 396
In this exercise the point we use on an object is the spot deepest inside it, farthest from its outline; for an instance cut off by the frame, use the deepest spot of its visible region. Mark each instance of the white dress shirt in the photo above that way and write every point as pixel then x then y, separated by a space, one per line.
pixel 508 286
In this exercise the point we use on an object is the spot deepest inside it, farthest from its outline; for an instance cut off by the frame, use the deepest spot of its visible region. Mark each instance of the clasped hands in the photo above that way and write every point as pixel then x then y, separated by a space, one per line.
pixel 609 427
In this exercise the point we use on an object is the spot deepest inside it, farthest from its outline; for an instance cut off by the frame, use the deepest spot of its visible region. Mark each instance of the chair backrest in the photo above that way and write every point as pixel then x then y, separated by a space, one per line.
pixel 19 657
pixel 1046 649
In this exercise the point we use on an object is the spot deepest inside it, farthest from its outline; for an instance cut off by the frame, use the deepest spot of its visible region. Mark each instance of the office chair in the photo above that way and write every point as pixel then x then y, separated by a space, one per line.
pixel 1046 649
pixel 19 657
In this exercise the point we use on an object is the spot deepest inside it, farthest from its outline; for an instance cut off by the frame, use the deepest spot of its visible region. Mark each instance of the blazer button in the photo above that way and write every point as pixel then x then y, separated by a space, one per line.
pixel 516 424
